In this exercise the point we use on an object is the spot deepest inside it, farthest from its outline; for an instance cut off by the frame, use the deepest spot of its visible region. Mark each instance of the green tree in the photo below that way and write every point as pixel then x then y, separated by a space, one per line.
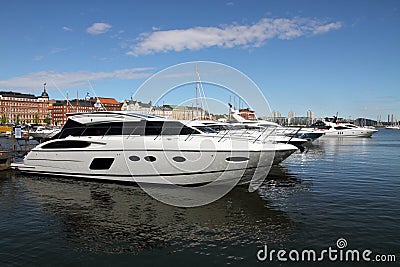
pixel 47 120
pixel 36 118
pixel 3 119
pixel 17 119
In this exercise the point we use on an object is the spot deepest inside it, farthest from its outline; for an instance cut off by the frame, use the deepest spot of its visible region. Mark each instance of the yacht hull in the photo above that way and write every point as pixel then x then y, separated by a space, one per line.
pixel 359 132
pixel 160 161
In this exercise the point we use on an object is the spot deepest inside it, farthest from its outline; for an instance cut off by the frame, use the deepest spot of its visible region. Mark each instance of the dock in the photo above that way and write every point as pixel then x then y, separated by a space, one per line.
pixel 5 160
pixel 13 150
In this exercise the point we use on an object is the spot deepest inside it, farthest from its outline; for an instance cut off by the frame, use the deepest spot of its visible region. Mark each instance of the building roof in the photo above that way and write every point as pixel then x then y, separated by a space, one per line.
pixel 45 94
pixel 106 100
pixel 16 95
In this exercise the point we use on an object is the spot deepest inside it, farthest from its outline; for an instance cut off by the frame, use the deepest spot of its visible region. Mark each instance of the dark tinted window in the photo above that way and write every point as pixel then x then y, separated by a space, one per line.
pixel 66 144
pixel 206 129
pixel 111 128
pixel 341 128
pixel 168 128
pixel 73 128
pixel 237 159
pixel 134 128
pixel 101 163
pixel 150 158
pixel 179 159
pixel 134 158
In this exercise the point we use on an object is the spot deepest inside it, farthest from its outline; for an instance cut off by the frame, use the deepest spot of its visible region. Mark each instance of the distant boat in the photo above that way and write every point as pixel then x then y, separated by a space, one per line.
pixel 251 132
pixel 5 134
pixel 309 134
pixel 334 128
pixel 393 127
pixel 42 133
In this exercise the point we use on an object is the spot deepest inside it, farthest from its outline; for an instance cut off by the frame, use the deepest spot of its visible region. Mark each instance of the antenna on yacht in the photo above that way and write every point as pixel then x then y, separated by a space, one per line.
pixel 77 101
pixel 204 106
pixel 229 109
pixel 68 101
pixel 197 95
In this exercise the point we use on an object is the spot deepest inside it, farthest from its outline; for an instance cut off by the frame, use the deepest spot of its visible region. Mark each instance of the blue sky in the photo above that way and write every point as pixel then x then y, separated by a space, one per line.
pixel 328 56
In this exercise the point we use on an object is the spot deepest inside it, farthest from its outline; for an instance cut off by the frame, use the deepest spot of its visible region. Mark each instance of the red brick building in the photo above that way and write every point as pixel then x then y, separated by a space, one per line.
pixel 24 108
pixel 247 114
pixel 60 108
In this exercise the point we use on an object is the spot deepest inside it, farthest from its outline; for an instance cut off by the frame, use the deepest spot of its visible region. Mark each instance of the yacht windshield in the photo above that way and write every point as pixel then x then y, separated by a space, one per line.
pixel 341 128
pixel 73 128
pixel 206 129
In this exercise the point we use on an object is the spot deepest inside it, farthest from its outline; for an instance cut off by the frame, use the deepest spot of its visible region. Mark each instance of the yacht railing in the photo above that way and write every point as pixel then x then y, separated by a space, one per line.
pixel 260 134
pixel 294 135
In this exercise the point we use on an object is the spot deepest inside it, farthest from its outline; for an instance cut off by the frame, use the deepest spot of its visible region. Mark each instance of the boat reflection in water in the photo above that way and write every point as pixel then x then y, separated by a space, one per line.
pixel 114 218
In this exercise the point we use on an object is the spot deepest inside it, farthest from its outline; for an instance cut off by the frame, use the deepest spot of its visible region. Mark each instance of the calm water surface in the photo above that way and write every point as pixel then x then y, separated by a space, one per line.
pixel 337 188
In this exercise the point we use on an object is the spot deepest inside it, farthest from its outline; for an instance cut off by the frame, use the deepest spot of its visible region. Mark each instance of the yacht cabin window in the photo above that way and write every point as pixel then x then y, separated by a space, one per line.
pixel 73 128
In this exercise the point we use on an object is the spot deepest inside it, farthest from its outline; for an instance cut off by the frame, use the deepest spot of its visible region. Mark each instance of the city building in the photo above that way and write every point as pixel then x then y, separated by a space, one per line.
pixel 164 110
pixel 247 114
pixel 292 119
pixel 136 106
pixel 276 114
pixel 300 121
pixel 310 115
pixel 24 108
pixel 180 112
pixel 291 115
pixel 365 122
pixel 278 120
pixel 60 108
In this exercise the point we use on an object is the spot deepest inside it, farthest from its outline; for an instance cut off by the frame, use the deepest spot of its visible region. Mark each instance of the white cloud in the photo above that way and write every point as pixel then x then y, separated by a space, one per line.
pixel 38 58
pixel 326 28
pixel 229 36
pixel 64 80
pixel 67 29
pixel 98 28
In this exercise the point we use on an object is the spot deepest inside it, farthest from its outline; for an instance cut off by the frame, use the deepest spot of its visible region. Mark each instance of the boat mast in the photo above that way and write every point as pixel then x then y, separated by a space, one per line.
pixel 197 94
pixel 77 102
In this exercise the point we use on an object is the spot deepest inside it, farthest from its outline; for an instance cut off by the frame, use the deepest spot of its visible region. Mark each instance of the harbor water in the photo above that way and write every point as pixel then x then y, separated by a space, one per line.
pixel 336 189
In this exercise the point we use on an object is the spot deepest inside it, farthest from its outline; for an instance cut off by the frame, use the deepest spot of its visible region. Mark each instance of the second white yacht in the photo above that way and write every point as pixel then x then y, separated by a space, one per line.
pixel 334 128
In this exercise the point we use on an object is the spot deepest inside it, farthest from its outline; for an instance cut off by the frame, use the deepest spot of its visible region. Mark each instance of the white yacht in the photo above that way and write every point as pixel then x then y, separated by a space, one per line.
pixel 334 128
pixel 42 133
pixel 306 133
pixel 148 149
pixel 393 127
pixel 252 132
